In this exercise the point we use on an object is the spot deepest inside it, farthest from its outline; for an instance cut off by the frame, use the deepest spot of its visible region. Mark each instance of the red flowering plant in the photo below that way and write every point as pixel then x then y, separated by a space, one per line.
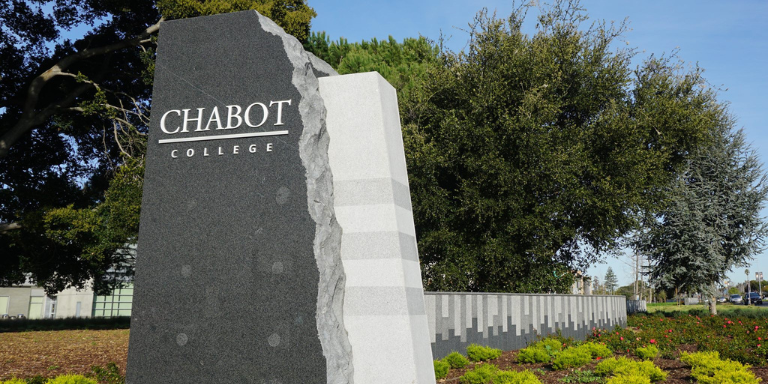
pixel 736 338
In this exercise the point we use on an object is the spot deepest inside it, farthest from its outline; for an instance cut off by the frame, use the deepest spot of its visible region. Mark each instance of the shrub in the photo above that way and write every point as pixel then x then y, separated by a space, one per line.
pixel 708 368
pixel 596 350
pixel 456 360
pixel 482 374
pixel 480 353
pixel 540 352
pixel 109 375
pixel 71 379
pixel 571 358
pixel 511 377
pixel 37 380
pixel 648 353
pixel 550 345
pixel 740 376
pixel 441 369
pixel 626 367
pixel 533 354
pixel 629 379
pixel 582 376
pixel 14 381
pixel 709 358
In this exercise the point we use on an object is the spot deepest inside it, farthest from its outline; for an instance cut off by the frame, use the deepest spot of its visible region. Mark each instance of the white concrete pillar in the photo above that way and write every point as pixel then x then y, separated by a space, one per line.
pixel 384 310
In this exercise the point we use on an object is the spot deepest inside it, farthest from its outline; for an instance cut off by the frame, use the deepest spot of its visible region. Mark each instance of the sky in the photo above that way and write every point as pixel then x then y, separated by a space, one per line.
pixel 728 39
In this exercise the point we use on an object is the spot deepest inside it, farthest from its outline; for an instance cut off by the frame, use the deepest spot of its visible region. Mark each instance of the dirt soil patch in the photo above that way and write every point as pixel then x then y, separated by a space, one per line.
pixel 53 353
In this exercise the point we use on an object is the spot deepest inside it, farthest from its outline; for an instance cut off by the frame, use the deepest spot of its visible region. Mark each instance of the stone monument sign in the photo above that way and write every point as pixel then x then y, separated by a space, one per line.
pixel 240 276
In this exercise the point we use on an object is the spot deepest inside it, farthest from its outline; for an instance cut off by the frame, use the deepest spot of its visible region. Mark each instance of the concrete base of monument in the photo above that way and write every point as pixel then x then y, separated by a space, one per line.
pixel 384 311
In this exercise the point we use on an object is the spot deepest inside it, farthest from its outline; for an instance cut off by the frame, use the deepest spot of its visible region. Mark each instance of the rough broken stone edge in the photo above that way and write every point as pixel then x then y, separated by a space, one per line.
pixel 321 67
pixel 313 150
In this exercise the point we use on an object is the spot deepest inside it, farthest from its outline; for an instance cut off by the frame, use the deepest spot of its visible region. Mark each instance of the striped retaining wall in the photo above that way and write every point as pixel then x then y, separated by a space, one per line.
pixel 511 321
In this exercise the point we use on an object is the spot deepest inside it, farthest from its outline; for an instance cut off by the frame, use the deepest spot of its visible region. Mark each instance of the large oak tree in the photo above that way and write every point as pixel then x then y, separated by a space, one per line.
pixel 73 119
pixel 530 156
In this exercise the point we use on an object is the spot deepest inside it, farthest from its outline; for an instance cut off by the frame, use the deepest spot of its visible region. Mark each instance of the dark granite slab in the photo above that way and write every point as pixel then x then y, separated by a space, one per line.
pixel 227 279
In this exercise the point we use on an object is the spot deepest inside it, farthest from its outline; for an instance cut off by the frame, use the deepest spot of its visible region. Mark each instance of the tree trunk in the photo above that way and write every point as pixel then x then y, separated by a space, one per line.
pixel 712 306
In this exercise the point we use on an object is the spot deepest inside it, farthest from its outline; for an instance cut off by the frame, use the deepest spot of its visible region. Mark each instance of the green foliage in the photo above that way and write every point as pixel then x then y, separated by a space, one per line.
pixel 514 377
pixel 596 350
pixel 404 65
pixel 68 323
pixel 708 368
pixel 647 353
pixel 551 345
pixel 441 369
pixel 629 379
pixel 37 379
pixel 711 222
pixel 72 179
pixel 572 357
pixel 533 354
pixel 576 356
pixel 585 376
pixel 109 375
pixel 293 16
pixel 611 281
pixel 541 351
pixel 489 373
pixel 456 360
pixel 14 381
pixel 738 336
pixel 482 353
pixel 71 379
pixel 531 153
pixel 623 367
pixel 481 374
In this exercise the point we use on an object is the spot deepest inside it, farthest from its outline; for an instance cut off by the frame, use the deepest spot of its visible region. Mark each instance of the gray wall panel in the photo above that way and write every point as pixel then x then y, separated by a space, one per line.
pixel 512 321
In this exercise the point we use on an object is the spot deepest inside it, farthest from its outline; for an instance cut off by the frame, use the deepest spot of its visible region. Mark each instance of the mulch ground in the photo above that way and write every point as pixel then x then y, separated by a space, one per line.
pixel 52 353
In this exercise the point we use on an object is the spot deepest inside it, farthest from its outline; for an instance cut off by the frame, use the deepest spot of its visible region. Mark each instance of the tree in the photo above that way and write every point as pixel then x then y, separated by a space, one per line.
pixel 626 291
pixel 712 223
pixel 611 282
pixel 530 156
pixel 73 119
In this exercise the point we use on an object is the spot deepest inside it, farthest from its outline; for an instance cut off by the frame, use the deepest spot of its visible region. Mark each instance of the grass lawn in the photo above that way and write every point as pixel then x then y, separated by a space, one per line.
pixel 725 309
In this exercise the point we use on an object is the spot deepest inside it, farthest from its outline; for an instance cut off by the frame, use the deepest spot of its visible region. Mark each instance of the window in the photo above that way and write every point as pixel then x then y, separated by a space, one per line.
pixel 36 307
pixel 4 305
pixel 119 303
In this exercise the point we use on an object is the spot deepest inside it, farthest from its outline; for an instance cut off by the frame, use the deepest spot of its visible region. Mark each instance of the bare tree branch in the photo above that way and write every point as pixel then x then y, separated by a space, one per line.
pixel 32 117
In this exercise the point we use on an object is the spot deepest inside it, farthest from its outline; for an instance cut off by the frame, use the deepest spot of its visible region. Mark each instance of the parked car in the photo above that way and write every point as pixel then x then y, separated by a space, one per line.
pixel 736 299
pixel 754 298
pixel 722 299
